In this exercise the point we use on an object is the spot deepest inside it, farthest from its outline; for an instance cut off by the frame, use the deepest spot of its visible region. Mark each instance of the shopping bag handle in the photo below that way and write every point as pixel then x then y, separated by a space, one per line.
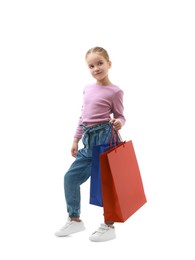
pixel 115 135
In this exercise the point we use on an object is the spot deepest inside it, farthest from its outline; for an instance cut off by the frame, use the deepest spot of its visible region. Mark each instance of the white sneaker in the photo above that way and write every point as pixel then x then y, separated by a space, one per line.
pixel 70 227
pixel 104 233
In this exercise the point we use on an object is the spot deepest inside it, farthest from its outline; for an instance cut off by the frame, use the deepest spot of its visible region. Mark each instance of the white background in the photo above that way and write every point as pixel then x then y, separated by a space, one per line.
pixel 42 75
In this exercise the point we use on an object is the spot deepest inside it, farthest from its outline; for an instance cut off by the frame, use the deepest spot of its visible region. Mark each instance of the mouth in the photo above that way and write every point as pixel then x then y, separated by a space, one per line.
pixel 98 73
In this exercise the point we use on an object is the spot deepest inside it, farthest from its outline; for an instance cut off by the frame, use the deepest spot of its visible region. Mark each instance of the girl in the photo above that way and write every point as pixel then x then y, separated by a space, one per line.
pixel 100 101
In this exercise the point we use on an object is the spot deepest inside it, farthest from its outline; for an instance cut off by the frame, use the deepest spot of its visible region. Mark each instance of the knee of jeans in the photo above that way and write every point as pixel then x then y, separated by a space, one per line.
pixel 67 179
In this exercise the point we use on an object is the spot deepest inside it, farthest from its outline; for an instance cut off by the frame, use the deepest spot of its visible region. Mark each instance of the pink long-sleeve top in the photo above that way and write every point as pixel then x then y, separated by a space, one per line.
pixel 99 103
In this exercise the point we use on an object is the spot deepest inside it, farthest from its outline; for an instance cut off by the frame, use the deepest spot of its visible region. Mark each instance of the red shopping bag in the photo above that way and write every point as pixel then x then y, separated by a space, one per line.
pixel 122 188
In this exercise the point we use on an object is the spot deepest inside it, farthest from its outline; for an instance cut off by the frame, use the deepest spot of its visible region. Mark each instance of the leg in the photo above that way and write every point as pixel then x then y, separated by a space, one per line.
pixel 77 174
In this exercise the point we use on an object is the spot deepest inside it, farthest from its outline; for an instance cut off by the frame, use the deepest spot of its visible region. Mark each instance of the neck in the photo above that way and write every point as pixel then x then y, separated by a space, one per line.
pixel 104 82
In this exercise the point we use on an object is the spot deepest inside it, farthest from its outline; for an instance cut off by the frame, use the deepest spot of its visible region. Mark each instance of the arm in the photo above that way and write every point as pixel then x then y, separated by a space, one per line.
pixel 118 108
pixel 78 134
pixel 77 137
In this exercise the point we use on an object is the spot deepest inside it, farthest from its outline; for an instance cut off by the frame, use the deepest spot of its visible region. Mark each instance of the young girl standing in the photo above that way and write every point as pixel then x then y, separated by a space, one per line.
pixel 100 100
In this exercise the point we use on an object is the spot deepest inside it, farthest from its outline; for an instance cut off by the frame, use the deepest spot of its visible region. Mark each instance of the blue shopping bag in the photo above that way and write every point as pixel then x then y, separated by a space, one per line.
pixel 95 197
pixel 95 181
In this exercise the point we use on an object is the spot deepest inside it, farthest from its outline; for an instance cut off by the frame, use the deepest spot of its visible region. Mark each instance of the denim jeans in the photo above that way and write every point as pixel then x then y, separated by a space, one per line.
pixel 80 170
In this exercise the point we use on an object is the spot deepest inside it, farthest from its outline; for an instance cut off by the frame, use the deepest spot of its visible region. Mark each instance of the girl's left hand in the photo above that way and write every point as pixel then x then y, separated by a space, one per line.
pixel 117 123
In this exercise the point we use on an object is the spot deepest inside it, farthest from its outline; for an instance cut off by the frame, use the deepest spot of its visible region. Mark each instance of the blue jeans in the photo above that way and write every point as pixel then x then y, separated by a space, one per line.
pixel 80 170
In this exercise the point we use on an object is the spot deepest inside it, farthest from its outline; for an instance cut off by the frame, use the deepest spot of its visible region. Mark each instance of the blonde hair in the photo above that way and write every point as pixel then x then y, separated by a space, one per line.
pixel 100 51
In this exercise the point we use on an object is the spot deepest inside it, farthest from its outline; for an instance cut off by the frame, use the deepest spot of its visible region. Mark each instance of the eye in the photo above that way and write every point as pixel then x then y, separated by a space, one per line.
pixel 91 66
pixel 100 63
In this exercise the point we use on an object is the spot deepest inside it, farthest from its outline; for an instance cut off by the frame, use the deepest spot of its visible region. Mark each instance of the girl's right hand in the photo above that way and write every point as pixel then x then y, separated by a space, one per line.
pixel 74 148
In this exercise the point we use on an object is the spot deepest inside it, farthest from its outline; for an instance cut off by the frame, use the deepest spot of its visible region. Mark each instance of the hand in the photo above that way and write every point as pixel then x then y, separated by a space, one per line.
pixel 74 148
pixel 116 123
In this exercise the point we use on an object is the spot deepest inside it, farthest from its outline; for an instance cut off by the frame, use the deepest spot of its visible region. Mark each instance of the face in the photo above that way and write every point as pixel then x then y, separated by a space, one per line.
pixel 98 66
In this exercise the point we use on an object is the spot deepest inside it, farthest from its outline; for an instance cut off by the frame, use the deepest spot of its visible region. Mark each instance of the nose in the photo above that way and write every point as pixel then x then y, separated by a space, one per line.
pixel 96 68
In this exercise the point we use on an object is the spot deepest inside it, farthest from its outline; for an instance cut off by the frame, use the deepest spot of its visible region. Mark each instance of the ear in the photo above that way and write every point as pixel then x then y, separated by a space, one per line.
pixel 109 64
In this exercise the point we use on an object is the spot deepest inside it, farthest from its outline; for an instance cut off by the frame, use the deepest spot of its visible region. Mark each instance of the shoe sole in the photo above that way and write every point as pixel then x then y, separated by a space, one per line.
pixel 67 234
pixel 95 240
